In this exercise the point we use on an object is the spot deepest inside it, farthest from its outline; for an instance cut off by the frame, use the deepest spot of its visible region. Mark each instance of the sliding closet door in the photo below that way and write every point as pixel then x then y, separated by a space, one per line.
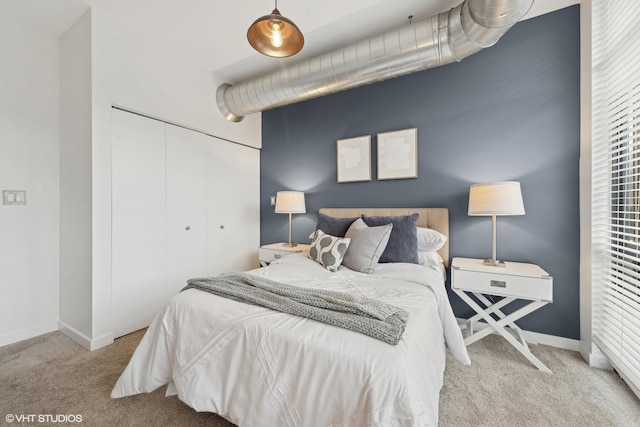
pixel 138 221
pixel 233 173
pixel 186 207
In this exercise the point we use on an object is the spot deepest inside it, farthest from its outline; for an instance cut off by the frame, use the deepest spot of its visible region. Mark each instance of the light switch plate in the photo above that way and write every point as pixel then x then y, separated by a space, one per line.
pixel 273 200
pixel 14 197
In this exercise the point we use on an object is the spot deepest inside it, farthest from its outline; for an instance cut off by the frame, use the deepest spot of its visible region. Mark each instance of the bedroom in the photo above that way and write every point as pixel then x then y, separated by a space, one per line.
pixel 456 150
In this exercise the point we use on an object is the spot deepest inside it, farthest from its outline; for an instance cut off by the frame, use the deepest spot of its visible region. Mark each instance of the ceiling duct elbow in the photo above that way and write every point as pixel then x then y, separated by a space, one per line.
pixel 438 40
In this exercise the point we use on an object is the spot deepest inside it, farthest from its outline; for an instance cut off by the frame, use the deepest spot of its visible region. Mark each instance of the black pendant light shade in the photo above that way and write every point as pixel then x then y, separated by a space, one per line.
pixel 274 35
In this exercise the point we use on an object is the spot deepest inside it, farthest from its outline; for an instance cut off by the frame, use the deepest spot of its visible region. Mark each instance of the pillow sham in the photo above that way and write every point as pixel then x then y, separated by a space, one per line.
pixel 430 259
pixel 434 261
pixel 328 250
pixel 430 240
pixel 334 226
pixel 367 245
pixel 403 241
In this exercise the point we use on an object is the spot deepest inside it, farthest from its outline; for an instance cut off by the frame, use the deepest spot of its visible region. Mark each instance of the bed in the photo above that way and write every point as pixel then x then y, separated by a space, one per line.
pixel 259 367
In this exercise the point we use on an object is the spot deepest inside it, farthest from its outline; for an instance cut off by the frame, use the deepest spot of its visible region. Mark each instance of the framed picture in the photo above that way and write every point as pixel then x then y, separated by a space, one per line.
pixel 398 154
pixel 354 159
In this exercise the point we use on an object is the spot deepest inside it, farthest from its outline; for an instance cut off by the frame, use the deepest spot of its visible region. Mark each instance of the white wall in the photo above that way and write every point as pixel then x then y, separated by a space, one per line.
pixel 29 147
pixel 133 72
pixel 55 142
pixel 588 349
pixel 75 181
pixel 130 72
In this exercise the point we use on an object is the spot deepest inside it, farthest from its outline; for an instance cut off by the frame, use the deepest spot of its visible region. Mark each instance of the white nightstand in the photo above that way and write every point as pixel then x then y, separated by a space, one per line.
pixel 269 253
pixel 514 281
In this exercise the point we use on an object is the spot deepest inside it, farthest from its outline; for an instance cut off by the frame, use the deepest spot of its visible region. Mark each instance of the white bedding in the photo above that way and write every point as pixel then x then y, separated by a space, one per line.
pixel 257 367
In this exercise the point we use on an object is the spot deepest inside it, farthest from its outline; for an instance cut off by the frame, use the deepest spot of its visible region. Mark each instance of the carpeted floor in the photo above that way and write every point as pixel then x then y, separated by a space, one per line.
pixel 501 388
pixel 53 375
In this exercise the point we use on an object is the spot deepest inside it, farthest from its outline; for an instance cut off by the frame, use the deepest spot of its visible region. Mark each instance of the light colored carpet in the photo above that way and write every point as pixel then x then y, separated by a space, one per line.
pixel 502 388
pixel 53 375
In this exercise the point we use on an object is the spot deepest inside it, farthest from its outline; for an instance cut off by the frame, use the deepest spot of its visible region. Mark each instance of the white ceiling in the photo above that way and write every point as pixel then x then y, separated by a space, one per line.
pixel 213 33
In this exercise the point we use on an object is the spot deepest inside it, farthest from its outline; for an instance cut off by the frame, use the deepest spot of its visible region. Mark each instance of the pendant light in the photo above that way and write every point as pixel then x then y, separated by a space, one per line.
pixel 274 35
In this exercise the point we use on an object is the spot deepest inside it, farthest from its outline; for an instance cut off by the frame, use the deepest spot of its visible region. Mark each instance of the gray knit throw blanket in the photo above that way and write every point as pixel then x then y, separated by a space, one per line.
pixel 360 314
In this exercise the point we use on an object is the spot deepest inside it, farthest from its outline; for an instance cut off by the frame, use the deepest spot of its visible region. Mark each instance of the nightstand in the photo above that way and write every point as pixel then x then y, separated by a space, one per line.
pixel 515 281
pixel 269 253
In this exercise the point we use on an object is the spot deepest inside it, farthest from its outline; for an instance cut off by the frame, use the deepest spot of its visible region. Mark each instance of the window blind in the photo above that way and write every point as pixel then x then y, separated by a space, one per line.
pixel 616 185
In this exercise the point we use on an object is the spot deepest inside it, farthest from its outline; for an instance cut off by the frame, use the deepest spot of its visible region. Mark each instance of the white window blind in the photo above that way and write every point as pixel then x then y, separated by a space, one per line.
pixel 616 184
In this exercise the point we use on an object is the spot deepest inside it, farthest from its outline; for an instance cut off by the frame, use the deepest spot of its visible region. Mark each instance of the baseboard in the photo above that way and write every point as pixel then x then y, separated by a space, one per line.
pixel 596 360
pixel 592 354
pixel 72 333
pixel 30 332
pixel 538 338
pixel 102 341
pixel 83 340
pixel 552 341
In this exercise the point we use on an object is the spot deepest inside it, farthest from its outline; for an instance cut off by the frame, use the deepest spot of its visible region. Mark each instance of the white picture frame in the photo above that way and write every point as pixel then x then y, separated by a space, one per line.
pixel 398 154
pixel 353 157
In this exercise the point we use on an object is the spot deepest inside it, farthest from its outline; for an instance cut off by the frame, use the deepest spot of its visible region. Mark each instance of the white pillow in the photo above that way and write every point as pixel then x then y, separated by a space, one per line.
pixel 367 245
pixel 430 259
pixel 434 261
pixel 328 250
pixel 430 240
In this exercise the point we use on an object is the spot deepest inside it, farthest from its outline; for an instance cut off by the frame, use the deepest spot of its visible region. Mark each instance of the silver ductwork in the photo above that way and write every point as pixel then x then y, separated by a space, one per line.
pixel 441 39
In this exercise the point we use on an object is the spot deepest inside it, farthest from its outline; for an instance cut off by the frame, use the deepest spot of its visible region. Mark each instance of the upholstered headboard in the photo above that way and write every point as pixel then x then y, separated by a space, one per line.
pixel 434 218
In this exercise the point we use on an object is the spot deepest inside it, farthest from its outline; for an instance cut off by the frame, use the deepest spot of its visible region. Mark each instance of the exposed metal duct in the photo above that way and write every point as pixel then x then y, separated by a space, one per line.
pixel 441 39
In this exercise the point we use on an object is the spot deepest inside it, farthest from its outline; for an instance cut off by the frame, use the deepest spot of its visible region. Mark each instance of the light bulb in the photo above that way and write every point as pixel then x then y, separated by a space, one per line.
pixel 276 39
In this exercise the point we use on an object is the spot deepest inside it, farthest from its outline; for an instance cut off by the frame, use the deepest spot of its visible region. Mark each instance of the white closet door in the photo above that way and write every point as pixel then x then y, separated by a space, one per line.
pixel 233 176
pixel 138 221
pixel 186 207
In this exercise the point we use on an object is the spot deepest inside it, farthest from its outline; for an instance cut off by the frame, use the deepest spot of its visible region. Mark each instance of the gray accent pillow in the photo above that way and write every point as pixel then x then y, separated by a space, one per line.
pixel 367 245
pixel 403 242
pixel 328 250
pixel 334 226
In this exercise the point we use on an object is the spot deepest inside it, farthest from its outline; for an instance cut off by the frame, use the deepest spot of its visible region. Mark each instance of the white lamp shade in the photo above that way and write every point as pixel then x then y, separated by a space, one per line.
pixel 496 198
pixel 290 202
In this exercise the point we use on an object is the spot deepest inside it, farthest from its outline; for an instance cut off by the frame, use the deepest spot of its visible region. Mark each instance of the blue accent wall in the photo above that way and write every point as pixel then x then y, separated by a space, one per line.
pixel 509 112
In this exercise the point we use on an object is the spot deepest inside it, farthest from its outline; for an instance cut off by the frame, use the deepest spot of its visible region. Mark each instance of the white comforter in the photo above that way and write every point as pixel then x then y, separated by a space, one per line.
pixel 258 367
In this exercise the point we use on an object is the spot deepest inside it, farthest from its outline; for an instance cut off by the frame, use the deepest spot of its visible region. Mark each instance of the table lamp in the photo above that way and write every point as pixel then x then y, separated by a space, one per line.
pixel 290 202
pixel 495 199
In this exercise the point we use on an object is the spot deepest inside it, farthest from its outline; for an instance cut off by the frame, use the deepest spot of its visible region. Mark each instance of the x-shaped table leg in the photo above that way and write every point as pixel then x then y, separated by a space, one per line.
pixel 499 326
pixel 493 307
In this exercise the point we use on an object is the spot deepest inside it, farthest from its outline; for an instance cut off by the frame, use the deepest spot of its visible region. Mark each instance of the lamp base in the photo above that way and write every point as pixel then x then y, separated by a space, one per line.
pixel 290 245
pixel 494 263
